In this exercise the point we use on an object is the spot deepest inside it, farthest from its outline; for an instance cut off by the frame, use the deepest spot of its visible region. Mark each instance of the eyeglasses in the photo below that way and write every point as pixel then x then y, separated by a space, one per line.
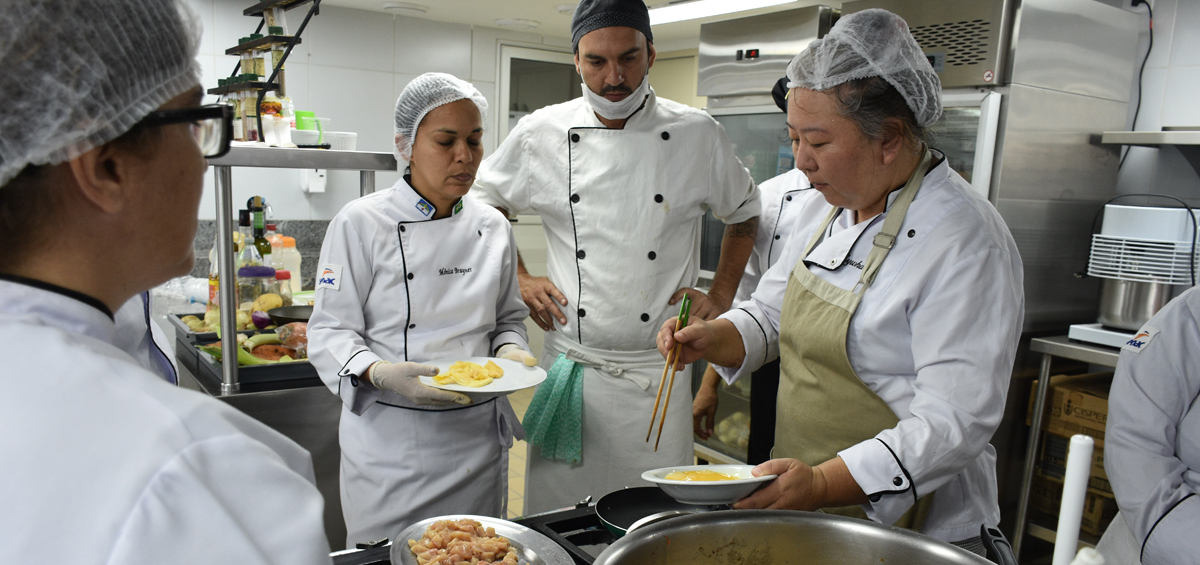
pixel 211 125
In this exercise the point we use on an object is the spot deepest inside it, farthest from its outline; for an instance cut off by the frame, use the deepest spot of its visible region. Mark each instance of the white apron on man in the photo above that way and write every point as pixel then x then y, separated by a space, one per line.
pixel 622 211
pixel 105 463
pixel 396 285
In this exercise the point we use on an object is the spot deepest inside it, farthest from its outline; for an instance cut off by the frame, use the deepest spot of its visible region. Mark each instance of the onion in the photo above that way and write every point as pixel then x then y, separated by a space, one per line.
pixel 260 319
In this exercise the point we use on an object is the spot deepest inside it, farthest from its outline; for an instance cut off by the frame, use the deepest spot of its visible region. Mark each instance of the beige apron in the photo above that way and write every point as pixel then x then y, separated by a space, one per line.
pixel 823 406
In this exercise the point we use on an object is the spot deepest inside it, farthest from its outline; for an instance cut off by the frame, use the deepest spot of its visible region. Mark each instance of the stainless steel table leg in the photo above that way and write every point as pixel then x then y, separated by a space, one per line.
pixel 228 277
pixel 1039 405
pixel 366 182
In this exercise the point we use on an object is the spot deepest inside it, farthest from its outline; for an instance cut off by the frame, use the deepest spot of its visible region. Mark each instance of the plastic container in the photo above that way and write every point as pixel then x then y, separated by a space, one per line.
pixel 284 280
pixel 291 260
pixel 253 282
pixel 341 140
pixel 306 120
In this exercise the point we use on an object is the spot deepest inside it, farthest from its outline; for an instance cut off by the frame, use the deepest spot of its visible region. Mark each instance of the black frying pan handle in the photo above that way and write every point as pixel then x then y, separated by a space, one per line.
pixel 996 545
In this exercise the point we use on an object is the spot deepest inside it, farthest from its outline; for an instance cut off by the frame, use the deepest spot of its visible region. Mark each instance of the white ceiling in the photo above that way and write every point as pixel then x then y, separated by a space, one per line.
pixel 668 37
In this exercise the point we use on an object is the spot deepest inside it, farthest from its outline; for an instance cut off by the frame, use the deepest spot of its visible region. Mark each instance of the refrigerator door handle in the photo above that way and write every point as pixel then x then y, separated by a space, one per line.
pixel 985 145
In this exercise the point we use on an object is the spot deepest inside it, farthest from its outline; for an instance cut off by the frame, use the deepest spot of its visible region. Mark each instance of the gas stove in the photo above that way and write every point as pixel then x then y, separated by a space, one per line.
pixel 577 530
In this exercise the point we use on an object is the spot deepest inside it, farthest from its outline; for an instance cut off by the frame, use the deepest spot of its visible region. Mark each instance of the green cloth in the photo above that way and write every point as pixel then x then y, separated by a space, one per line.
pixel 554 421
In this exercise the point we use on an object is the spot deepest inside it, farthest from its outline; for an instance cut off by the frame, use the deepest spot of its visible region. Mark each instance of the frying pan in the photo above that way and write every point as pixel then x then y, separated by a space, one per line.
pixel 620 511
pixel 289 314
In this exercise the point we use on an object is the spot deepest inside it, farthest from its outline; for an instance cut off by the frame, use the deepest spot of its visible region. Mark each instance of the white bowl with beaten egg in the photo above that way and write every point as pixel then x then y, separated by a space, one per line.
pixel 705 484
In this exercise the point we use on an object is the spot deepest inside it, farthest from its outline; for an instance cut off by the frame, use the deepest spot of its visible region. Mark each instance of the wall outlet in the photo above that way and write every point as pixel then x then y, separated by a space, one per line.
pixel 313 180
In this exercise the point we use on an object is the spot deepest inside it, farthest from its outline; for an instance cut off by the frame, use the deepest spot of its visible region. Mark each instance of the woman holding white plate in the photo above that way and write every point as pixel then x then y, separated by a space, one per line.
pixel 408 275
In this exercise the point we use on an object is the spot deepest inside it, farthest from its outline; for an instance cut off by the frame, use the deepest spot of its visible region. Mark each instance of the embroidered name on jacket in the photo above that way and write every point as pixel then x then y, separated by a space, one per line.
pixel 454 271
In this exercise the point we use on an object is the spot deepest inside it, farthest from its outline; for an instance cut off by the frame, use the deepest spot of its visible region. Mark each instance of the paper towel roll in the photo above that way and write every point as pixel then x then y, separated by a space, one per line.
pixel 1079 463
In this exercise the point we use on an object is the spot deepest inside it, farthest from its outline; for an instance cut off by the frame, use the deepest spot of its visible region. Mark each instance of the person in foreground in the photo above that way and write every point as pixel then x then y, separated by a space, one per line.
pixel 102 158
pixel 895 310
pixel 416 273
pixel 1152 441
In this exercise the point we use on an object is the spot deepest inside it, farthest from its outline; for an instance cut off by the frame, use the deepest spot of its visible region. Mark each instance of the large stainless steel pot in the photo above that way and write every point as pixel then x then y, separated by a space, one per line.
pixel 1128 305
pixel 764 537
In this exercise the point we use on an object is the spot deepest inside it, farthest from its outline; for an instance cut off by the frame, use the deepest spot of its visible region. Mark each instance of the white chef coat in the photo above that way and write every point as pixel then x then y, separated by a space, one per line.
pixel 1152 441
pixel 103 462
pixel 776 224
pixel 622 209
pixel 396 285
pixel 935 337
pixel 143 340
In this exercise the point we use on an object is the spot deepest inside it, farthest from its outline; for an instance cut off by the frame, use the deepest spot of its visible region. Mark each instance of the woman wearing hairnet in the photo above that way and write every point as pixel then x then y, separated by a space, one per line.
pixel 895 310
pixel 102 160
pixel 416 273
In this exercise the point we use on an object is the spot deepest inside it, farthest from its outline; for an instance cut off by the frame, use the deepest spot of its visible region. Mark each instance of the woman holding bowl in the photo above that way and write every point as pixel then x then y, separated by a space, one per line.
pixel 895 310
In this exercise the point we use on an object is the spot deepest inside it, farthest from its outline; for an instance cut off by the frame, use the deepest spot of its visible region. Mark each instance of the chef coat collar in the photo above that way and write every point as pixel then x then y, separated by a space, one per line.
pixel 836 243
pixel 646 109
pixel 55 306
pixel 415 207
pixel 72 294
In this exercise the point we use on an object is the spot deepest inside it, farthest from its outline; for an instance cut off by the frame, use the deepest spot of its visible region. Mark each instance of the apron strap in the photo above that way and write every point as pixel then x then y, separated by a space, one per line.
pixel 616 370
pixel 886 238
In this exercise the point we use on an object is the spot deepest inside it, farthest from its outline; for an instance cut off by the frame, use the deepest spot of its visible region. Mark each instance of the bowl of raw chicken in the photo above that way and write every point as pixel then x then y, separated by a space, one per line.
pixel 481 540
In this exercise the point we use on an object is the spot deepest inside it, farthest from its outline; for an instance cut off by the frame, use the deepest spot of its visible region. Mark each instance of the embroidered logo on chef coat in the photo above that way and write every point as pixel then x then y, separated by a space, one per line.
pixel 1141 340
pixel 330 277
pixel 458 207
pixel 424 207
pixel 454 271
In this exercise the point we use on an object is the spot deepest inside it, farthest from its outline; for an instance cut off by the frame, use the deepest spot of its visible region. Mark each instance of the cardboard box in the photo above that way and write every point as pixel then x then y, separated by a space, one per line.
pixel 1053 462
pixel 1098 511
pixel 1075 404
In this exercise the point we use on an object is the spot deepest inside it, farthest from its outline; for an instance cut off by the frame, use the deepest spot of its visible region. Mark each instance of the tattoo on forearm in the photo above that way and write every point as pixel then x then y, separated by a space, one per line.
pixel 748 228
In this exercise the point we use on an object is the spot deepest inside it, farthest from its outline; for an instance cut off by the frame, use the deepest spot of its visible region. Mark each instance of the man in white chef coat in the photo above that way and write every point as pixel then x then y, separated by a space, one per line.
pixel 103 144
pixel 621 179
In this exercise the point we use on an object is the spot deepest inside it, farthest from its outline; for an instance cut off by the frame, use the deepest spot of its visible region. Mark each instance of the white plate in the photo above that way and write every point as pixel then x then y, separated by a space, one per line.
pixel 516 376
pixel 708 492
pixel 532 547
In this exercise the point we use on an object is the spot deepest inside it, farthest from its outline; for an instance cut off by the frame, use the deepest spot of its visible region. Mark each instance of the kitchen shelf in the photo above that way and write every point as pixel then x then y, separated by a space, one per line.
pixel 1186 140
pixel 365 162
pixel 262 42
pixel 1048 535
pixel 286 158
pixel 255 85
pixel 1064 347
pixel 1152 138
pixel 258 9
pixel 713 456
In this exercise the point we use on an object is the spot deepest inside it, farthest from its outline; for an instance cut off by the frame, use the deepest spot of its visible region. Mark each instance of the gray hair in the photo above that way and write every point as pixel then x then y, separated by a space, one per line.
pixel 879 111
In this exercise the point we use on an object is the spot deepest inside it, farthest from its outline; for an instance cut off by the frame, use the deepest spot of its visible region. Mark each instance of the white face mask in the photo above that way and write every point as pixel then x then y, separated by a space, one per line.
pixel 610 110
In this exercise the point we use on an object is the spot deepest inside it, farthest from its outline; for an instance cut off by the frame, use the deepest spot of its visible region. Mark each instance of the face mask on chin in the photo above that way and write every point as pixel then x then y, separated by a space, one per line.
pixel 610 110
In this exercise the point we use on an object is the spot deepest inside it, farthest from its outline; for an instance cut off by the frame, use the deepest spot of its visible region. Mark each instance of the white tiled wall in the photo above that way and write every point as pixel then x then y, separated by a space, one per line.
pixel 1170 97
pixel 351 66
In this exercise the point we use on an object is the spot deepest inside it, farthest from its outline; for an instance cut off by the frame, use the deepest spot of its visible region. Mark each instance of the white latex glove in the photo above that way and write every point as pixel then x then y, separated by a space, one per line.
pixel 402 379
pixel 513 352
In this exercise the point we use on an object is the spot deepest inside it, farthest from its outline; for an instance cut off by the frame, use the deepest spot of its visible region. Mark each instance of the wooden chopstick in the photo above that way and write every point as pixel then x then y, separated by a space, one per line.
pixel 672 360
pixel 666 403
pixel 671 356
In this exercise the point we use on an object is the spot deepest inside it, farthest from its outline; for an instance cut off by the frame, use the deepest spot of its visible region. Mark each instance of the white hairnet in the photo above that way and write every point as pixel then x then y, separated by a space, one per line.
pixel 79 73
pixel 871 43
pixel 421 96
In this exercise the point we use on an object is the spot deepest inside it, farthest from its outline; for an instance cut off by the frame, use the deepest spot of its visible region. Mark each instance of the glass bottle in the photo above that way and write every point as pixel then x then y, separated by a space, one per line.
pixel 248 255
pixel 260 229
